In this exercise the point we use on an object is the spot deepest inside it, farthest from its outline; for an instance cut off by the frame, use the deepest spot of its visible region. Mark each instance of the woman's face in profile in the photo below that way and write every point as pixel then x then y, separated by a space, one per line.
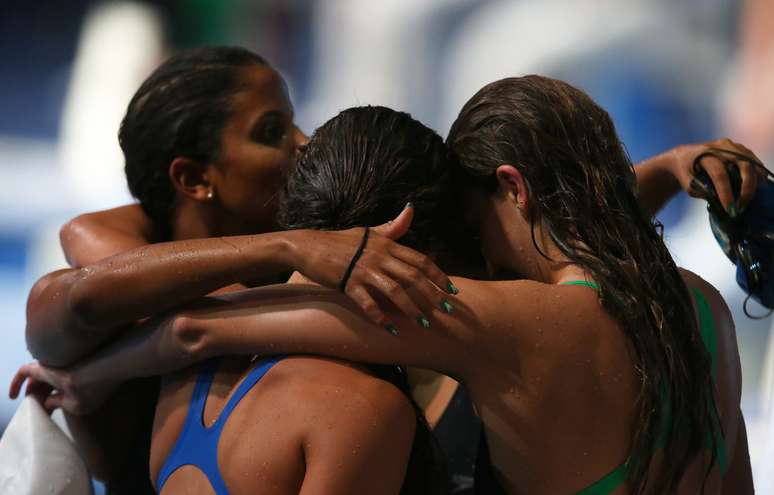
pixel 259 145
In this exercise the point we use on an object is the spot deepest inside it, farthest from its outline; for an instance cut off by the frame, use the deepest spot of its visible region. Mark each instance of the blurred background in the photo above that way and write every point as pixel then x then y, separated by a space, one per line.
pixel 668 72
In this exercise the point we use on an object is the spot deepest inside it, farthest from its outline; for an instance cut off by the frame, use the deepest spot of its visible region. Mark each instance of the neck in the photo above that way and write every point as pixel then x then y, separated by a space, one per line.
pixel 192 221
pixel 553 268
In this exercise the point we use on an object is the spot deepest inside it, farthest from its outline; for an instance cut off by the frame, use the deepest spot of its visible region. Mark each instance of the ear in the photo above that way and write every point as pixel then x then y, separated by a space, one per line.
pixel 191 178
pixel 513 186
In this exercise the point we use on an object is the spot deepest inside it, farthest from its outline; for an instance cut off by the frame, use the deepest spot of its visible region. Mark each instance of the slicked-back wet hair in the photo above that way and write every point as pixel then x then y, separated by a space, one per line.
pixel 179 111
pixel 583 193
pixel 362 167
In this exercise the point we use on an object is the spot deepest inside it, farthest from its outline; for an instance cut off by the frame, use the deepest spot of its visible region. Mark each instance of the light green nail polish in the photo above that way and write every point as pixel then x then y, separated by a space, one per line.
pixel 391 328
pixel 452 289
pixel 424 322
pixel 446 306
pixel 732 210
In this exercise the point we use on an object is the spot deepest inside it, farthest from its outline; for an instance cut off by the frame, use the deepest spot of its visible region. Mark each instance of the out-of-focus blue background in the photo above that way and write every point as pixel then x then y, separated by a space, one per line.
pixel 668 72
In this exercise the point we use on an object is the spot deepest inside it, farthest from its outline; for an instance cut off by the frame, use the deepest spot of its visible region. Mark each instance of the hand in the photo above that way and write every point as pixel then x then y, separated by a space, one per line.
pixel 57 388
pixel 681 166
pixel 385 268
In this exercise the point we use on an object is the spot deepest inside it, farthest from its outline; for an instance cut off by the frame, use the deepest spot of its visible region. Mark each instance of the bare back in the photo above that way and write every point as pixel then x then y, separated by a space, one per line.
pixel 309 425
pixel 558 389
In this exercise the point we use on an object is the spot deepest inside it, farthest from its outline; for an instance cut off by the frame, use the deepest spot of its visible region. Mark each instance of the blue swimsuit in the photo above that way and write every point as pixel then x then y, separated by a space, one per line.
pixel 197 444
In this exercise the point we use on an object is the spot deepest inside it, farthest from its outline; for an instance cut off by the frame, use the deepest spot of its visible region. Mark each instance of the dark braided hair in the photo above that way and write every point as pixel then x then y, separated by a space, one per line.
pixel 360 168
pixel 180 110
pixel 583 193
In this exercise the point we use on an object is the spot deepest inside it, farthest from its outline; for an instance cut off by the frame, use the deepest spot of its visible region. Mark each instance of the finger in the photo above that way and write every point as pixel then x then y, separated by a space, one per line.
pixel 719 177
pixel 426 266
pixel 422 291
pixel 760 172
pixel 395 293
pixel 53 401
pixel 745 150
pixel 749 183
pixel 16 383
pixel 397 228
pixel 362 298
pixel 29 371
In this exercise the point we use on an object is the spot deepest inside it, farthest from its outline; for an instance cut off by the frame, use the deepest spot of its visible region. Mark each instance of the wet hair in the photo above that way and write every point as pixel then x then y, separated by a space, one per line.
pixel 361 168
pixel 583 192
pixel 179 111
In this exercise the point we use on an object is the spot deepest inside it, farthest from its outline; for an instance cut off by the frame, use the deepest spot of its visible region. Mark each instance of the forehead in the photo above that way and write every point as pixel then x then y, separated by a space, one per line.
pixel 261 88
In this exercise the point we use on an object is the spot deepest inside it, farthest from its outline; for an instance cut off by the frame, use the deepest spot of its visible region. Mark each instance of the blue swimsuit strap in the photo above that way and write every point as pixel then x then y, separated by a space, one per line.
pixel 197 445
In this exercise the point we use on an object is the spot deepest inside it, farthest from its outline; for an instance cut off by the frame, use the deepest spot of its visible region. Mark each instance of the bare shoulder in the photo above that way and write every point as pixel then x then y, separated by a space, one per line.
pixel 356 431
pixel 694 281
pixel 729 368
pixel 339 390
pixel 521 313
pixel 724 321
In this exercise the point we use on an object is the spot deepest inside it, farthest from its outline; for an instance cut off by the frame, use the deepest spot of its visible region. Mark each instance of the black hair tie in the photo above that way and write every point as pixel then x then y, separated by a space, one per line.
pixel 351 267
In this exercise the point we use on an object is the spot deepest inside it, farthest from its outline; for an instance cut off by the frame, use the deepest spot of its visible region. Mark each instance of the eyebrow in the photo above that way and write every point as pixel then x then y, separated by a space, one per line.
pixel 269 114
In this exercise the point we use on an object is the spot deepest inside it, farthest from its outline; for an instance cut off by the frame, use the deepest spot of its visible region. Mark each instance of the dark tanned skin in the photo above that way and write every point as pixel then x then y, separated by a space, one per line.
pixel 73 312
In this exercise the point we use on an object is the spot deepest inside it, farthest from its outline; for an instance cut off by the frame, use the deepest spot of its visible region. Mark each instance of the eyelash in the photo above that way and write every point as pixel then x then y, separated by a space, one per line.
pixel 266 133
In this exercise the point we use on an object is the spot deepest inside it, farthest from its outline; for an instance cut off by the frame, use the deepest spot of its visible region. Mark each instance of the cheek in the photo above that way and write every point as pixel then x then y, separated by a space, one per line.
pixel 252 184
pixel 494 241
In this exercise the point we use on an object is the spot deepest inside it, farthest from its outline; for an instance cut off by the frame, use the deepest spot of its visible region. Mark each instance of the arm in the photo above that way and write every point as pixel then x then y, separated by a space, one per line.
pixel 276 320
pixel 738 478
pixel 661 177
pixel 91 237
pixel 72 312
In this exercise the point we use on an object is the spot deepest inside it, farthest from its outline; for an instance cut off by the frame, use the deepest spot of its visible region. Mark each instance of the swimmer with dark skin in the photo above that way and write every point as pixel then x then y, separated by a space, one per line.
pixel 549 384
pixel 234 193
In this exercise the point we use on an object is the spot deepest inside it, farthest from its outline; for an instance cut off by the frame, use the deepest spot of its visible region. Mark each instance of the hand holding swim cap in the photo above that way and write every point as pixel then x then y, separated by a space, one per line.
pixel 682 169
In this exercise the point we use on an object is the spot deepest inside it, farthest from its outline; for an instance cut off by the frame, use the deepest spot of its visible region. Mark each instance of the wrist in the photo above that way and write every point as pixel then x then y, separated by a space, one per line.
pixel 666 166
pixel 289 248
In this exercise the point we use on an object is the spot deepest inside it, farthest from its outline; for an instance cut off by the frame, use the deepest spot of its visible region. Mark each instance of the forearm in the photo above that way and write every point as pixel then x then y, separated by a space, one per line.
pixel 656 182
pixel 75 311
pixel 282 319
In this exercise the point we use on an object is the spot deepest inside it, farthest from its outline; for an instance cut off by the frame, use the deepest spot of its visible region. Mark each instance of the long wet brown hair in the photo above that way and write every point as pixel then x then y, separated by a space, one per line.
pixel 583 193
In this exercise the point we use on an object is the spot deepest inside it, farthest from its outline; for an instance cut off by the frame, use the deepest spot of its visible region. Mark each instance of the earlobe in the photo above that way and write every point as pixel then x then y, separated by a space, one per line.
pixel 191 178
pixel 513 184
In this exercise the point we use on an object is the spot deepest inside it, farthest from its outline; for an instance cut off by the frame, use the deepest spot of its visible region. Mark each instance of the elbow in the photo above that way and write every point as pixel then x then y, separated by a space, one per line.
pixel 190 337
pixel 84 299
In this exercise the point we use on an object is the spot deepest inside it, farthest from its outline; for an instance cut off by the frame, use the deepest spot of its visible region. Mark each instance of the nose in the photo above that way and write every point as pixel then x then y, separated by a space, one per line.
pixel 301 140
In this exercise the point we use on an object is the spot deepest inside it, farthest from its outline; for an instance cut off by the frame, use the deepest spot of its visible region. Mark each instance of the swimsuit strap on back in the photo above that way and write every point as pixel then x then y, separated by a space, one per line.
pixel 197 444
pixel 618 476
pixel 586 283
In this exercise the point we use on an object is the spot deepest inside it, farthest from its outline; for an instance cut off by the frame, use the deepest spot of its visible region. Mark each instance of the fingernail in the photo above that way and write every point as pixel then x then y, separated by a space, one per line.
pixel 409 205
pixel 446 306
pixel 452 289
pixel 391 328
pixel 695 185
pixel 424 322
pixel 732 210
